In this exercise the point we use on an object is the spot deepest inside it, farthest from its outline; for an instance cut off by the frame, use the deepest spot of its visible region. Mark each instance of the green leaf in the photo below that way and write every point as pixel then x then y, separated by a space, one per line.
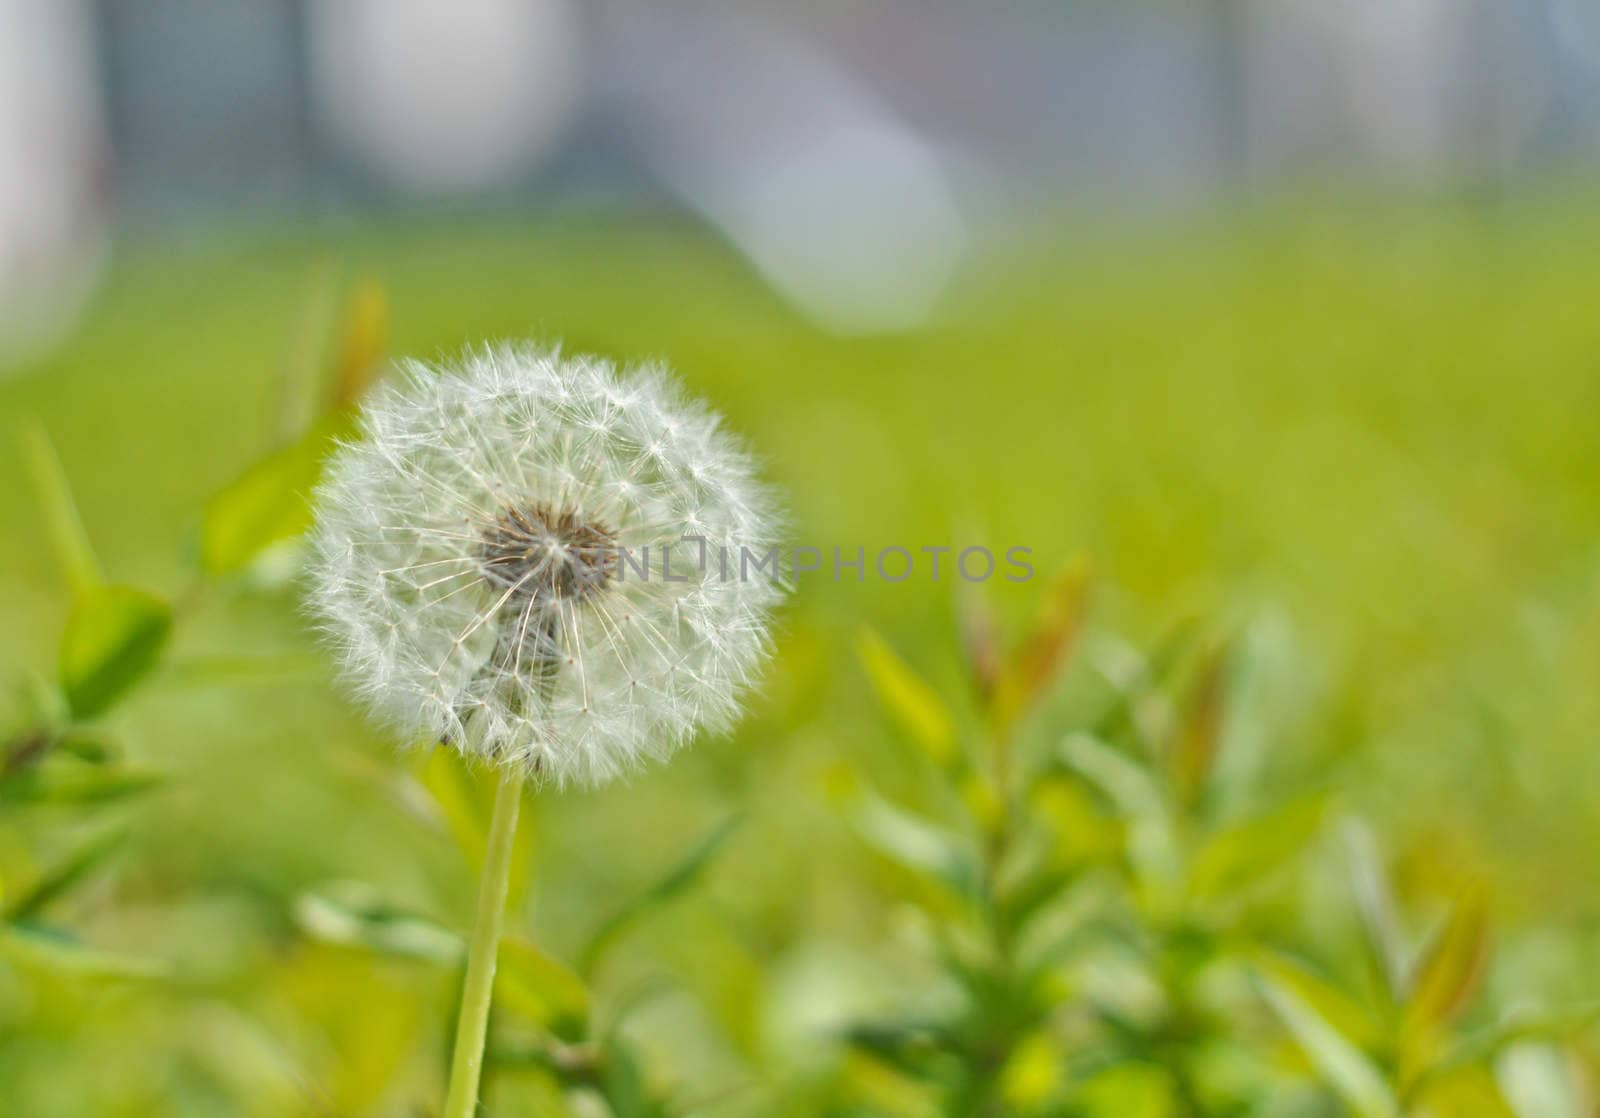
pixel 922 1048
pixel 251 1061
pixel 301 393
pixel 623 1084
pixel 1556 1026
pixel 679 878
pixel 1199 731
pixel 909 699
pixel 1133 791
pixel 1119 717
pixel 360 355
pixel 1131 1089
pixel 268 504
pixel 919 844
pixel 456 794
pixel 17 758
pixel 980 641
pixel 55 786
pixel 56 950
pixel 463 798
pixel 541 988
pixel 114 636
pixel 1384 939
pixel 1342 1065
pixel 1468 1092
pixel 1035 665
pixel 1117 776
pixel 874 1086
pixel 355 914
pixel 65 876
pixel 1342 1013
pixel 63 521
pixel 1240 855
pixel 89 749
pixel 1450 967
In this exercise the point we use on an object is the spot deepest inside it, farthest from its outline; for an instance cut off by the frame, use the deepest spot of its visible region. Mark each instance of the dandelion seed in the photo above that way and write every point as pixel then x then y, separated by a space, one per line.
pixel 468 555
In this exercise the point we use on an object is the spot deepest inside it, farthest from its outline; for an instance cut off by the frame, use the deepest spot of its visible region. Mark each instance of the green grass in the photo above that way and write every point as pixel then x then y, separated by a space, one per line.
pixel 1379 432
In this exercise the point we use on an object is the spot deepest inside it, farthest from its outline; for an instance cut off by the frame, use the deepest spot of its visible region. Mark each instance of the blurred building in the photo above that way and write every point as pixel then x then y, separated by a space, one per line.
pixel 894 129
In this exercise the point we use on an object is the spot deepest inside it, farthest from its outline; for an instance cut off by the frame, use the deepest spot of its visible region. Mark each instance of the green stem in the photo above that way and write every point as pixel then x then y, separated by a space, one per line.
pixel 478 989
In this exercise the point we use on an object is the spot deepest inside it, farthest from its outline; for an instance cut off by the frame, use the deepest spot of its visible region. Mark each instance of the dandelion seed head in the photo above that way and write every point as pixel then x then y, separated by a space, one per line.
pixel 469 562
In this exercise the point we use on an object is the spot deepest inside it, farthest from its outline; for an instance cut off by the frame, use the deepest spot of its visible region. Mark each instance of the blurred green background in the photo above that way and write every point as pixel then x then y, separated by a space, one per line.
pixel 1365 439
pixel 1279 318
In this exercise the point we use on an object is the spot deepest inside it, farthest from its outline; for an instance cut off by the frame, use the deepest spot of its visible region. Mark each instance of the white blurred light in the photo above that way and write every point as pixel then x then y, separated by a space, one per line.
pixel 1373 74
pixel 445 97
pixel 1577 22
pixel 52 205
pixel 841 206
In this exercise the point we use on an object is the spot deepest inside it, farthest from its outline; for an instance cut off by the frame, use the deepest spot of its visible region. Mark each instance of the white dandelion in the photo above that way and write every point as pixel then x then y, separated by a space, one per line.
pixel 491 560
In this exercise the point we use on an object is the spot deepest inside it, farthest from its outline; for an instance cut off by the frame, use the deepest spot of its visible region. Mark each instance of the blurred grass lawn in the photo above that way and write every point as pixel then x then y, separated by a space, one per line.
pixel 1382 430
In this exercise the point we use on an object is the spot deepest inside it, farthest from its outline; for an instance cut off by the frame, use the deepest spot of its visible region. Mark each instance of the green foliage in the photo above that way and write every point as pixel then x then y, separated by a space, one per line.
pixel 535 985
pixel 268 504
pixel 61 878
pixel 674 882
pixel 911 701
pixel 1121 849
pixel 1344 1066
pixel 1074 874
pixel 356 915
pixel 59 952
pixel 113 641
pixel 113 638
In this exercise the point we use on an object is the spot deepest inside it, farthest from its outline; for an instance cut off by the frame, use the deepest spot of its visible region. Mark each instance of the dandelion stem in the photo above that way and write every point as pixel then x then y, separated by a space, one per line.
pixel 478 989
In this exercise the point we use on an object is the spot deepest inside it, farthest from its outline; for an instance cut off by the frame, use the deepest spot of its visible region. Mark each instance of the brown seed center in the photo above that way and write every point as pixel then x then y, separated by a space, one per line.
pixel 548 556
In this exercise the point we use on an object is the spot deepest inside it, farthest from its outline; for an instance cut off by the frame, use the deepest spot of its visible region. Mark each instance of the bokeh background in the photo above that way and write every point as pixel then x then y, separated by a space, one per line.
pixel 1285 313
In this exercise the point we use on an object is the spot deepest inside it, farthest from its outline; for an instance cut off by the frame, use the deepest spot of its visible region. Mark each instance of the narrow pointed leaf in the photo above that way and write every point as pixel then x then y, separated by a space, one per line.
pixel 1450 967
pixel 360 355
pixel 1384 939
pixel 1343 1066
pixel 114 636
pixel 1239 855
pixel 354 914
pixel 685 873
pixel 1114 774
pixel 1345 1015
pixel 89 749
pixel 909 700
pixel 1035 665
pixel 1151 841
pixel 268 504
pixel 65 876
pixel 1199 730
pixel 538 986
pixel 59 786
pixel 65 525
pixel 1555 1027
pixel 49 949
pixel 19 757
pixel 1121 715
pixel 980 643
pixel 302 385
pixel 919 845
pixel 1466 1092
pixel 449 783
pixel 624 1087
